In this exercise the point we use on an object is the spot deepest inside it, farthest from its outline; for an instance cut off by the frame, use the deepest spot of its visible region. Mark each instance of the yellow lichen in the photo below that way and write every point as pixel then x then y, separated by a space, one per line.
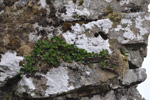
pixel 108 10
pixel 115 17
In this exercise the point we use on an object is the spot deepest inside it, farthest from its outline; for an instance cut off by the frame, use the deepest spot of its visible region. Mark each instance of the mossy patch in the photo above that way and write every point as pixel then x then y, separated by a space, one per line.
pixel 25 50
pixel 14 43
pixel 81 2
pixel 115 17
pixel 108 10
pixel 66 26
pixel 121 63
pixel 74 1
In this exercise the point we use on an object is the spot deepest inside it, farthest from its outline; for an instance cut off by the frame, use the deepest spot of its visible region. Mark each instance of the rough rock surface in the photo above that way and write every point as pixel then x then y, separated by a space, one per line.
pixel 118 26
pixel 9 67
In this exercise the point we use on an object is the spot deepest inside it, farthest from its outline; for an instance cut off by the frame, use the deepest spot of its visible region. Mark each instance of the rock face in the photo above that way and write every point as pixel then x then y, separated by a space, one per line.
pixel 120 26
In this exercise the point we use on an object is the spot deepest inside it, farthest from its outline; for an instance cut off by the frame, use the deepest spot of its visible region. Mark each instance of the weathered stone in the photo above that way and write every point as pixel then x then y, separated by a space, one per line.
pixel 75 11
pixel 62 79
pixel 109 96
pixel 134 76
pixel 9 67
pixel 128 94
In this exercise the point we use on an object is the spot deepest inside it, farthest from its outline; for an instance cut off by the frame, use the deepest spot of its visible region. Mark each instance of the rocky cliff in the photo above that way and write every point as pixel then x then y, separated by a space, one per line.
pixel 72 49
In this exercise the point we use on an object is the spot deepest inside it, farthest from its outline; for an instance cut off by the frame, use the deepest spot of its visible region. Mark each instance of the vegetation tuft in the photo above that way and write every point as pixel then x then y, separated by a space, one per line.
pixel 49 53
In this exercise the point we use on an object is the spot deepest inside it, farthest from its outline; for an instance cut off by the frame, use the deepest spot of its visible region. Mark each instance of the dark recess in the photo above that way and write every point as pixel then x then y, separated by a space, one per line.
pixel 132 66
pixel 102 34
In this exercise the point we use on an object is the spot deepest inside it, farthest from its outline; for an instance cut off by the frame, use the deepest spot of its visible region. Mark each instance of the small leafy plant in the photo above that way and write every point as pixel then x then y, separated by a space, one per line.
pixel 49 53
pixel 125 53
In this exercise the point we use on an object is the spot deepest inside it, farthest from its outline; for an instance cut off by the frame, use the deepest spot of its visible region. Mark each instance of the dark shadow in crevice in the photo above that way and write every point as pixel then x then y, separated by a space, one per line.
pixel 102 34
pixel 135 46
pixel 132 66
pixel 7 91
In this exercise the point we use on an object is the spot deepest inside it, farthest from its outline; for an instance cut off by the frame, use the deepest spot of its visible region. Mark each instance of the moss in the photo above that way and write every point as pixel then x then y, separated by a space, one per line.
pixel 74 1
pixel 115 17
pixel 81 2
pixel 121 62
pixel 66 26
pixel 81 23
pixel 14 43
pixel 25 50
pixel 108 10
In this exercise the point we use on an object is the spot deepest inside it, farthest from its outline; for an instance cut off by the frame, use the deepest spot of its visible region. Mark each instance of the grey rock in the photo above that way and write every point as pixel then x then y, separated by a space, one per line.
pixel 109 96
pixel 1 1
pixel 134 76
pixel 75 11
pixel 63 80
pixel 132 33
pixel 9 67
pixel 128 94
pixel 23 2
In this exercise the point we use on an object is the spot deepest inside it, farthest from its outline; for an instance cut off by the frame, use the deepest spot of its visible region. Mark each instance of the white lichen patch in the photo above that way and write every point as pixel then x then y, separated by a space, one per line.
pixel 11 59
pixel 9 66
pixel 43 3
pixel 139 25
pixel 35 36
pixel 104 24
pixel 108 1
pixel 128 34
pixel 91 44
pixel 72 11
pixel 147 17
pixel 26 85
pixel 82 12
pixel 123 2
pixel 133 29
pixel 57 81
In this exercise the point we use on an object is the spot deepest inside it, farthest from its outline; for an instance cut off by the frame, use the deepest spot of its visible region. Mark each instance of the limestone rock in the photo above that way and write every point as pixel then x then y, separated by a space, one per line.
pixel 136 76
pixel 9 67
pixel 128 94
pixel 86 9
pixel 109 96
pixel 64 79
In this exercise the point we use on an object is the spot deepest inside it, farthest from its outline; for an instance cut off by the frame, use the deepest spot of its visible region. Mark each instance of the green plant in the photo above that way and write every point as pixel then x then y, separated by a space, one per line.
pixel 124 52
pixel 49 53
